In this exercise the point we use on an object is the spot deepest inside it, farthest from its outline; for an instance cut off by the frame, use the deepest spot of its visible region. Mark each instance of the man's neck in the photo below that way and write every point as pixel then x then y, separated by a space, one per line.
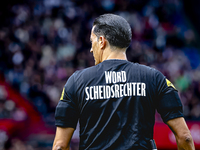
pixel 115 54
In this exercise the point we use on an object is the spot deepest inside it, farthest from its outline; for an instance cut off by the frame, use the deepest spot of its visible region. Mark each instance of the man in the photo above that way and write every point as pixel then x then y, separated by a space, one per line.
pixel 115 101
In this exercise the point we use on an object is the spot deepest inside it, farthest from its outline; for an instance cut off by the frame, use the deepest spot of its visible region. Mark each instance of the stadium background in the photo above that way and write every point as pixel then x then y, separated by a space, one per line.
pixel 42 42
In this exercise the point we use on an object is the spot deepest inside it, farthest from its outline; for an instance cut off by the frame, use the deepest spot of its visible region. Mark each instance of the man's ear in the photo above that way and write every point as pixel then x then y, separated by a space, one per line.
pixel 102 42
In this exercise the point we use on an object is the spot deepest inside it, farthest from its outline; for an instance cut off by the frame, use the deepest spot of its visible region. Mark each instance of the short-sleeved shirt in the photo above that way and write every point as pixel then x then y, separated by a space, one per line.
pixel 115 103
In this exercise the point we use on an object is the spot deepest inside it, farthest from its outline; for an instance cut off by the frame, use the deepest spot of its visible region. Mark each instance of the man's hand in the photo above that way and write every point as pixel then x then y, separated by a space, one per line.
pixel 182 133
pixel 62 138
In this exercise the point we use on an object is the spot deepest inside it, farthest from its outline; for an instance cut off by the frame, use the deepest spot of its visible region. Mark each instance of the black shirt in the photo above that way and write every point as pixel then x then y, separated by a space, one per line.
pixel 115 103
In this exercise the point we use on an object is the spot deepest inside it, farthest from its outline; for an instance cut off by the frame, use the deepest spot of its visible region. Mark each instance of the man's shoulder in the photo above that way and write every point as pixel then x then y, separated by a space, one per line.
pixel 94 70
pixel 145 68
pixel 87 72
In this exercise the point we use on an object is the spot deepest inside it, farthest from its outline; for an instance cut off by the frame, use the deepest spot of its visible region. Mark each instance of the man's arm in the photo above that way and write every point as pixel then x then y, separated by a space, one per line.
pixel 182 133
pixel 62 138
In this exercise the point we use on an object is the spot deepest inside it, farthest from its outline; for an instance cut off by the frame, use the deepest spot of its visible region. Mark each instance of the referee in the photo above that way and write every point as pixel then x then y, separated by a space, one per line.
pixel 115 100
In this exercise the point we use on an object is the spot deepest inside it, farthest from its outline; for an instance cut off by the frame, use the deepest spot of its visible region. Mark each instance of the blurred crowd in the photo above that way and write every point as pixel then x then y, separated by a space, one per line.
pixel 43 42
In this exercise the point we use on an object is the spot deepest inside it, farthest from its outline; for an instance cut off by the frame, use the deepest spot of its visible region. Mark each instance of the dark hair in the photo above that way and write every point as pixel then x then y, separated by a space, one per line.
pixel 114 28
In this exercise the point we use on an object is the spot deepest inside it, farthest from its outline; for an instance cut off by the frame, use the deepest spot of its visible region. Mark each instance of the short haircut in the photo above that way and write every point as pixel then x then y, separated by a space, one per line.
pixel 114 28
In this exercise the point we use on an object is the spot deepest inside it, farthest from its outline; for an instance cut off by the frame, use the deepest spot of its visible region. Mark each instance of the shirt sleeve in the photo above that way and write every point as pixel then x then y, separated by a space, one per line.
pixel 168 103
pixel 67 114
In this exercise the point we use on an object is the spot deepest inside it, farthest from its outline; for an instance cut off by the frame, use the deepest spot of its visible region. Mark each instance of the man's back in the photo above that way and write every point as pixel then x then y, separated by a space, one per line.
pixel 116 101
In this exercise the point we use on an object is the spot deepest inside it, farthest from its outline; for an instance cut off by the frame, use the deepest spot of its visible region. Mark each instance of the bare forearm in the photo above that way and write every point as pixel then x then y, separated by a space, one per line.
pixel 58 146
pixel 185 143
pixel 62 138
pixel 182 133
